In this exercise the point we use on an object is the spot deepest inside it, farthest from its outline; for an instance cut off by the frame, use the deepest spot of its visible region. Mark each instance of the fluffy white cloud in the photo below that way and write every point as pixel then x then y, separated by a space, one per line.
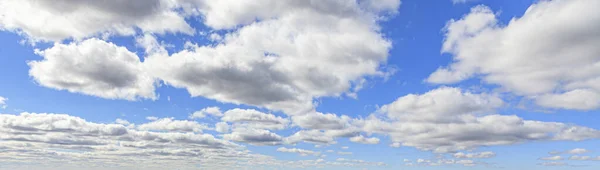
pixel 254 119
pixel 3 102
pixel 62 19
pixel 168 124
pixel 280 60
pixel 549 54
pixel 122 122
pixel 584 158
pixel 222 127
pixel 320 121
pixel 344 153
pixel 93 67
pixel 576 151
pixel 293 53
pixel 59 141
pixel 213 111
pixel 152 118
pixel 364 140
pixel 461 155
pixel 424 121
pixel 302 152
pixel 552 158
pixel 440 105
pixel 32 135
pixel 461 1
pixel 441 161
pixel 310 136
pixel 553 164
pixel 254 136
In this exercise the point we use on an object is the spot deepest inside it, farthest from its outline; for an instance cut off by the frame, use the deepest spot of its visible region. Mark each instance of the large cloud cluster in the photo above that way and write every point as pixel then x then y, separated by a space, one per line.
pixel 281 59
pixel 457 120
pixel 549 54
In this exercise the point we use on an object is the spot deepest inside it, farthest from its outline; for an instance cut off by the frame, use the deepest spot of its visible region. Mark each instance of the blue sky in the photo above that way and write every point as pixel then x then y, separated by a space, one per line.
pixel 379 84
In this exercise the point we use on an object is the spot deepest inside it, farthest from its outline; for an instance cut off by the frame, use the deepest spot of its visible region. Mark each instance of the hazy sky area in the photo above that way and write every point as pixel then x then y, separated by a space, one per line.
pixel 299 84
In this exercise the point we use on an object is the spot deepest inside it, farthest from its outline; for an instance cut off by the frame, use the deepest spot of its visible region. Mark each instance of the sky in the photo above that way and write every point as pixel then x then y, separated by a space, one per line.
pixel 287 84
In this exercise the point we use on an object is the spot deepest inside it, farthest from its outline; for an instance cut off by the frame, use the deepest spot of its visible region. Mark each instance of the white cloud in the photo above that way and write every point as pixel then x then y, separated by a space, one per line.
pixel 461 155
pixel 552 158
pixel 584 158
pixel 302 152
pixel 310 136
pixel 549 54
pixel 62 19
pixel 122 122
pixel 93 67
pixel 320 121
pixel 254 119
pixel 254 136
pixel 3 102
pixel 222 127
pixel 344 153
pixel 364 140
pixel 448 120
pixel 30 136
pixel 553 164
pixel 440 105
pixel 345 147
pixel 283 54
pixel 168 124
pixel 59 141
pixel 152 118
pixel 576 151
pixel 335 44
pixel 461 1
pixel 213 111
pixel 442 161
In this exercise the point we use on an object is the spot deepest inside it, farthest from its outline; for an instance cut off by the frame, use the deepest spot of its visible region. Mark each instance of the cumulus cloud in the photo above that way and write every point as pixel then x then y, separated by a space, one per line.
pixel 254 119
pixel 302 152
pixel 552 158
pixel 449 119
pixel 441 162
pixel 310 136
pixel 584 158
pixel 461 1
pixel 93 67
pixel 441 105
pixel 254 136
pixel 344 153
pixel 364 140
pixel 62 19
pixel 122 122
pixel 213 111
pixel 29 136
pixel 60 141
pixel 575 151
pixel 546 55
pixel 320 121
pixel 461 155
pixel 222 127
pixel 3 102
pixel 336 45
pixel 169 124
pixel 553 164
pixel 295 52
